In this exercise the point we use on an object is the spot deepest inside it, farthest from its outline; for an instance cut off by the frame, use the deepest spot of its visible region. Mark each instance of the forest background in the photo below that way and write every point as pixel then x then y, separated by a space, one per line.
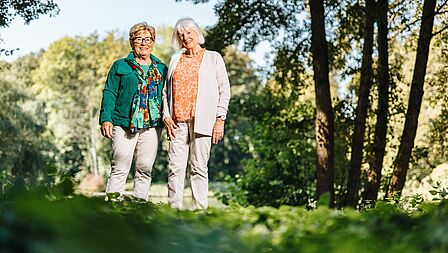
pixel 49 125
pixel 353 107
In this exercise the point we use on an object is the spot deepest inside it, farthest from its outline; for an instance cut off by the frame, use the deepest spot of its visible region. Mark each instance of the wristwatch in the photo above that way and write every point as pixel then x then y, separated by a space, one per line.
pixel 222 117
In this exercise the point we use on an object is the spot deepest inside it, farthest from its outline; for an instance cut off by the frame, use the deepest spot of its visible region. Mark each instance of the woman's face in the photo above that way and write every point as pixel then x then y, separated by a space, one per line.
pixel 143 44
pixel 189 38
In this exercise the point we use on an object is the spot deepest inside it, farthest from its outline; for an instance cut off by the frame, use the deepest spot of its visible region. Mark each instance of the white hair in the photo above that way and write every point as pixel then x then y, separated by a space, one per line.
pixel 182 25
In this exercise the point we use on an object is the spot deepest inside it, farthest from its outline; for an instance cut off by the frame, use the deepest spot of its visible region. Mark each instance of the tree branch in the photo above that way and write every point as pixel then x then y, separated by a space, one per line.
pixel 441 7
pixel 409 25
pixel 442 12
pixel 440 31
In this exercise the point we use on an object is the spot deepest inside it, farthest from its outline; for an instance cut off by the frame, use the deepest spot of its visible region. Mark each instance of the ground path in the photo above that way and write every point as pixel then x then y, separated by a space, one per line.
pixel 159 192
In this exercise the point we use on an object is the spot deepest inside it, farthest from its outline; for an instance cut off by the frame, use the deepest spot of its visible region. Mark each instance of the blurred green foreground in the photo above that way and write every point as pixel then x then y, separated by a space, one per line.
pixel 36 221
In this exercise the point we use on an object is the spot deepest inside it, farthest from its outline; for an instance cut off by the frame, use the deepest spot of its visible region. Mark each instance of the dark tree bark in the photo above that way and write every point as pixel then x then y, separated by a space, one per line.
pixel 324 109
pixel 376 161
pixel 354 176
pixel 401 163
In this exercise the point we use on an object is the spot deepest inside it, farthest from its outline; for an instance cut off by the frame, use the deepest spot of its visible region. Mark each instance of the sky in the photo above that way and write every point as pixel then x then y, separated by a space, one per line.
pixel 83 17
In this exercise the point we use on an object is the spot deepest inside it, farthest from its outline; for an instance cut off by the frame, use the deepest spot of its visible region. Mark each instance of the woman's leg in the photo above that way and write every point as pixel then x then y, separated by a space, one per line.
pixel 123 145
pixel 146 152
pixel 177 165
pixel 200 153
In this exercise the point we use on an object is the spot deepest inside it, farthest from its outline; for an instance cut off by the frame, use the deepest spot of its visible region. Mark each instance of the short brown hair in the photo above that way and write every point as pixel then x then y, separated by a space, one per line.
pixel 141 27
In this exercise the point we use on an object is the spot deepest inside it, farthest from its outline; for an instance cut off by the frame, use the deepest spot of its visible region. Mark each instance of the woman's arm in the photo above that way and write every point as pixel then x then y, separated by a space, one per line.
pixel 109 98
pixel 166 98
pixel 223 99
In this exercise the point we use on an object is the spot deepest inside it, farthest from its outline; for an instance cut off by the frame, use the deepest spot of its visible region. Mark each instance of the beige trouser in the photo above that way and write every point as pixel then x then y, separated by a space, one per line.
pixel 198 147
pixel 124 143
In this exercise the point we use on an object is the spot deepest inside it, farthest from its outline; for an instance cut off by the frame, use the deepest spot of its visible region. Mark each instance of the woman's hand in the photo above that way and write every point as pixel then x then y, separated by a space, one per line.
pixel 170 127
pixel 218 131
pixel 106 129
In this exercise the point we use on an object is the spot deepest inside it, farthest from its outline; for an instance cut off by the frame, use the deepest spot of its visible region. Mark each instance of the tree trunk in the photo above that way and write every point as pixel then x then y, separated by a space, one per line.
pixel 354 176
pixel 401 163
pixel 324 110
pixel 93 153
pixel 376 161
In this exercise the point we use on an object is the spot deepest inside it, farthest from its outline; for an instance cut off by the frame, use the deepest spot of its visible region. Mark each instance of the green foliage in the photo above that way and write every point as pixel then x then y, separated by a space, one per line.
pixel 438 128
pixel 225 158
pixel 163 48
pixel 30 222
pixel 279 143
pixel 28 10
pixel 439 192
pixel 251 21
pixel 254 21
pixel 25 151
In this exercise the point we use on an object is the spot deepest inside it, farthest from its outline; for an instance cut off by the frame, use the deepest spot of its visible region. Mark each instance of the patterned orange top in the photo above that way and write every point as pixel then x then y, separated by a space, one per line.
pixel 185 85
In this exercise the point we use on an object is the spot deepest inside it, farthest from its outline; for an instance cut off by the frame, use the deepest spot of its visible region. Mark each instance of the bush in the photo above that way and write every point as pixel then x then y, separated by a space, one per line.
pixel 279 145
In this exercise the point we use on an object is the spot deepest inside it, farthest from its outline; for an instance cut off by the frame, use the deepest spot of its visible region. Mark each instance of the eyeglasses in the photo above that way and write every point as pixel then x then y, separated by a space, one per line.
pixel 147 40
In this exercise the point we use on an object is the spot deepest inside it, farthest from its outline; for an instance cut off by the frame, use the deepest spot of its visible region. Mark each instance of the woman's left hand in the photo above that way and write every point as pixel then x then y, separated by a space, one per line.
pixel 218 131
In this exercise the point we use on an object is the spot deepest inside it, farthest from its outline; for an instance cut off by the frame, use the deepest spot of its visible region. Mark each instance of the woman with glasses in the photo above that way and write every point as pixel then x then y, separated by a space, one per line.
pixel 131 112
pixel 195 97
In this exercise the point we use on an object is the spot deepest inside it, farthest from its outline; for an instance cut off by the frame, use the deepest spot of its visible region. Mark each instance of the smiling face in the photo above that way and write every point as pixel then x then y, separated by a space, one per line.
pixel 189 39
pixel 143 44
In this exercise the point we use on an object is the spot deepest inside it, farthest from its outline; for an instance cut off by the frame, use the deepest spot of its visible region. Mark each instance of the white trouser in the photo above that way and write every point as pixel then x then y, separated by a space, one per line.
pixel 145 143
pixel 198 147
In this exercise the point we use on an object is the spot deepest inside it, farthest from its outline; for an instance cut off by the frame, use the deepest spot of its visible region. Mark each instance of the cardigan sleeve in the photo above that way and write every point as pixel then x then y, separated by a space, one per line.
pixel 223 86
pixel 165 104
pixel 167 92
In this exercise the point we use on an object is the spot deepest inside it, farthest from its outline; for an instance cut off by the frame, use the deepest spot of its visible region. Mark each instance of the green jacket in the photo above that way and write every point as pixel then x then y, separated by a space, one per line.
pixel 118 93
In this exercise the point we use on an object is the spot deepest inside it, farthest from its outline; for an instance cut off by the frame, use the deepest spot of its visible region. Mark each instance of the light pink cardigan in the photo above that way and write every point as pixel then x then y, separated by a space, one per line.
pixel 213 91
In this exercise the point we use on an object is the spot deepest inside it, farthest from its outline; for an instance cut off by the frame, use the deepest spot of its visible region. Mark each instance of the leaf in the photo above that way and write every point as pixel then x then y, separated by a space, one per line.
pixel 433 192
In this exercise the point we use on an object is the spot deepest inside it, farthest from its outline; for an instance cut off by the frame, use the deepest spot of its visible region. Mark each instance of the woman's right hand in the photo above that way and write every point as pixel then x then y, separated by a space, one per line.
pixel 170 127
pixel 106 129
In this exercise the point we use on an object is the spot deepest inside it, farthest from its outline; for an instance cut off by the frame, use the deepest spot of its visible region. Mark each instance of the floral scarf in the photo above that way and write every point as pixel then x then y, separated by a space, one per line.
pixel 145 111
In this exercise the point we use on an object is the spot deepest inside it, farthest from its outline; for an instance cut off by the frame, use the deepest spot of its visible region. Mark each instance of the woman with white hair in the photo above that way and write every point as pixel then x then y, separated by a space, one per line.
pixel 195 101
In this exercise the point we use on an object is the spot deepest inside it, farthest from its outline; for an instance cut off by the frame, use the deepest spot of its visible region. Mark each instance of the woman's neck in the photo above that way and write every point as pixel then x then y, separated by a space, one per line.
pixel 193 51
pixel 143 60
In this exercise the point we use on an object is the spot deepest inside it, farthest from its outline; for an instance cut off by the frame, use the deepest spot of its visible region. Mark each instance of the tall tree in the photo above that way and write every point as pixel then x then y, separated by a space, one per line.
pixel 324 110
pixel 377 156
pixel 354 176
pixel 401 163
